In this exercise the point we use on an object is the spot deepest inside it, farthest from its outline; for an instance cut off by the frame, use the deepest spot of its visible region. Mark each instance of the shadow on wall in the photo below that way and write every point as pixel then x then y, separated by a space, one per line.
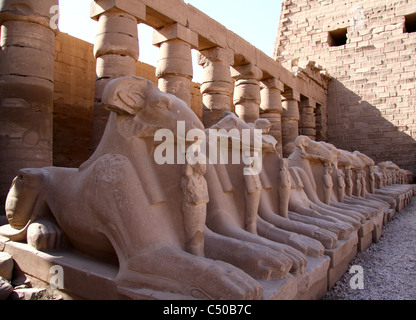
pixel 356 124
pixel 72 133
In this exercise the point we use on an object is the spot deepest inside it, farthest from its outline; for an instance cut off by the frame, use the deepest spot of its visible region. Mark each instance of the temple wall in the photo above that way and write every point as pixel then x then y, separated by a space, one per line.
pixel 372 94
pixel 73 100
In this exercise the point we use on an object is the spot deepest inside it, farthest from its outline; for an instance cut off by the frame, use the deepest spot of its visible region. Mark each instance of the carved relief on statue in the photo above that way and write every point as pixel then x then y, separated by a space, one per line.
pixel 372 179
pixel 341 185
pixel 358 183
pixel 253 189
pixel 328 184
pixel 195 198
pixel 348 181
pixel 285 186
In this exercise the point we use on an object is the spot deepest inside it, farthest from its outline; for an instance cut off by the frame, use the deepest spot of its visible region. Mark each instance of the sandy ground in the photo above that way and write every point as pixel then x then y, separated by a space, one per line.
pixel 388 268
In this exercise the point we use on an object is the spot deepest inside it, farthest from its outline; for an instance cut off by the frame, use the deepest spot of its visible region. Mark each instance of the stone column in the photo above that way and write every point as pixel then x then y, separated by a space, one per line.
pixel 321 123
pixel 174 66
pixel 290 120
pixel 247 91
pixel 217 85
pixel 307 123
pixel 27 58
pixel 271 108
pixel 116 49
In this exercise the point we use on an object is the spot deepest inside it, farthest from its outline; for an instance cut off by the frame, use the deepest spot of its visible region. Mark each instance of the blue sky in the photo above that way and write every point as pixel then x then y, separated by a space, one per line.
pixel 255 21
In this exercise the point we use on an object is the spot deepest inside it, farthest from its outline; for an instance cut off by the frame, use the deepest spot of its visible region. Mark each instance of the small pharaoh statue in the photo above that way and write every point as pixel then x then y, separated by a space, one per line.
pixel 389 178
pixel 194 206
pixel 372 179
pixel 348 182
pixel 341 185
pixel 328 184
pixel 252 196
pixel 358 185
pixel 285 186
pixel 363 183
pixel 378 180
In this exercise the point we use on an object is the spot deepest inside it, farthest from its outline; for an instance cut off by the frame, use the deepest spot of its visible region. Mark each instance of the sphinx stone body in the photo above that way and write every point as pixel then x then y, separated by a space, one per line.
pixel 97 206
pixel 194 230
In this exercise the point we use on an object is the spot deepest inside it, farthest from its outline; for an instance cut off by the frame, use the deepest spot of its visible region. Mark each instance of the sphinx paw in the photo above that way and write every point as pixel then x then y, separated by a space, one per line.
pixel 45 235
pixel 227 282
pixel 328 238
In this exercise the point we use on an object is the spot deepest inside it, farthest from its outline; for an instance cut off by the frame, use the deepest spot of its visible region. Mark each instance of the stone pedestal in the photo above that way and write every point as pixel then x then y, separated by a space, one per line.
pixel 217 84
pixel 365 235
pixel 316 279
pixel 341 256
pixel 247 91
pixel 279 289
pixel 83 275
pixel 378 226
pixel 26 87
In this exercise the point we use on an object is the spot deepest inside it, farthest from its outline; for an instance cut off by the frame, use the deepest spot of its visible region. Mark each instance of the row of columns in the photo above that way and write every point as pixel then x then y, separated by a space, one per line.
pixel 253 97
pixel 26 85
pixel 242 87
pixel 117 51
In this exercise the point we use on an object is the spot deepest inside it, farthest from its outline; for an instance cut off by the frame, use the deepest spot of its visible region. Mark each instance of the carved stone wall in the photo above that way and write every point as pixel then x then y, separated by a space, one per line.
pixel 73 100
pixel 368 48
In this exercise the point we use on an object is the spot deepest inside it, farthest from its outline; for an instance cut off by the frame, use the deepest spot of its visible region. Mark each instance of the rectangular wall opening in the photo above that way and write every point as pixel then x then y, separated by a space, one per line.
pixel 410 23
pixel 337 37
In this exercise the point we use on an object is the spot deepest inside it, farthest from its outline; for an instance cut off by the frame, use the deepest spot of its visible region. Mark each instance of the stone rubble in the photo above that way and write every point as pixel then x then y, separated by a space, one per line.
pixel 23 287
pixel 6 266
pixel 6 289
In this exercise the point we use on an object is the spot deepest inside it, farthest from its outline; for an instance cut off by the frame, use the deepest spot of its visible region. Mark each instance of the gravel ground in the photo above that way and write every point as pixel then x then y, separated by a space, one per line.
pixel 388 267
